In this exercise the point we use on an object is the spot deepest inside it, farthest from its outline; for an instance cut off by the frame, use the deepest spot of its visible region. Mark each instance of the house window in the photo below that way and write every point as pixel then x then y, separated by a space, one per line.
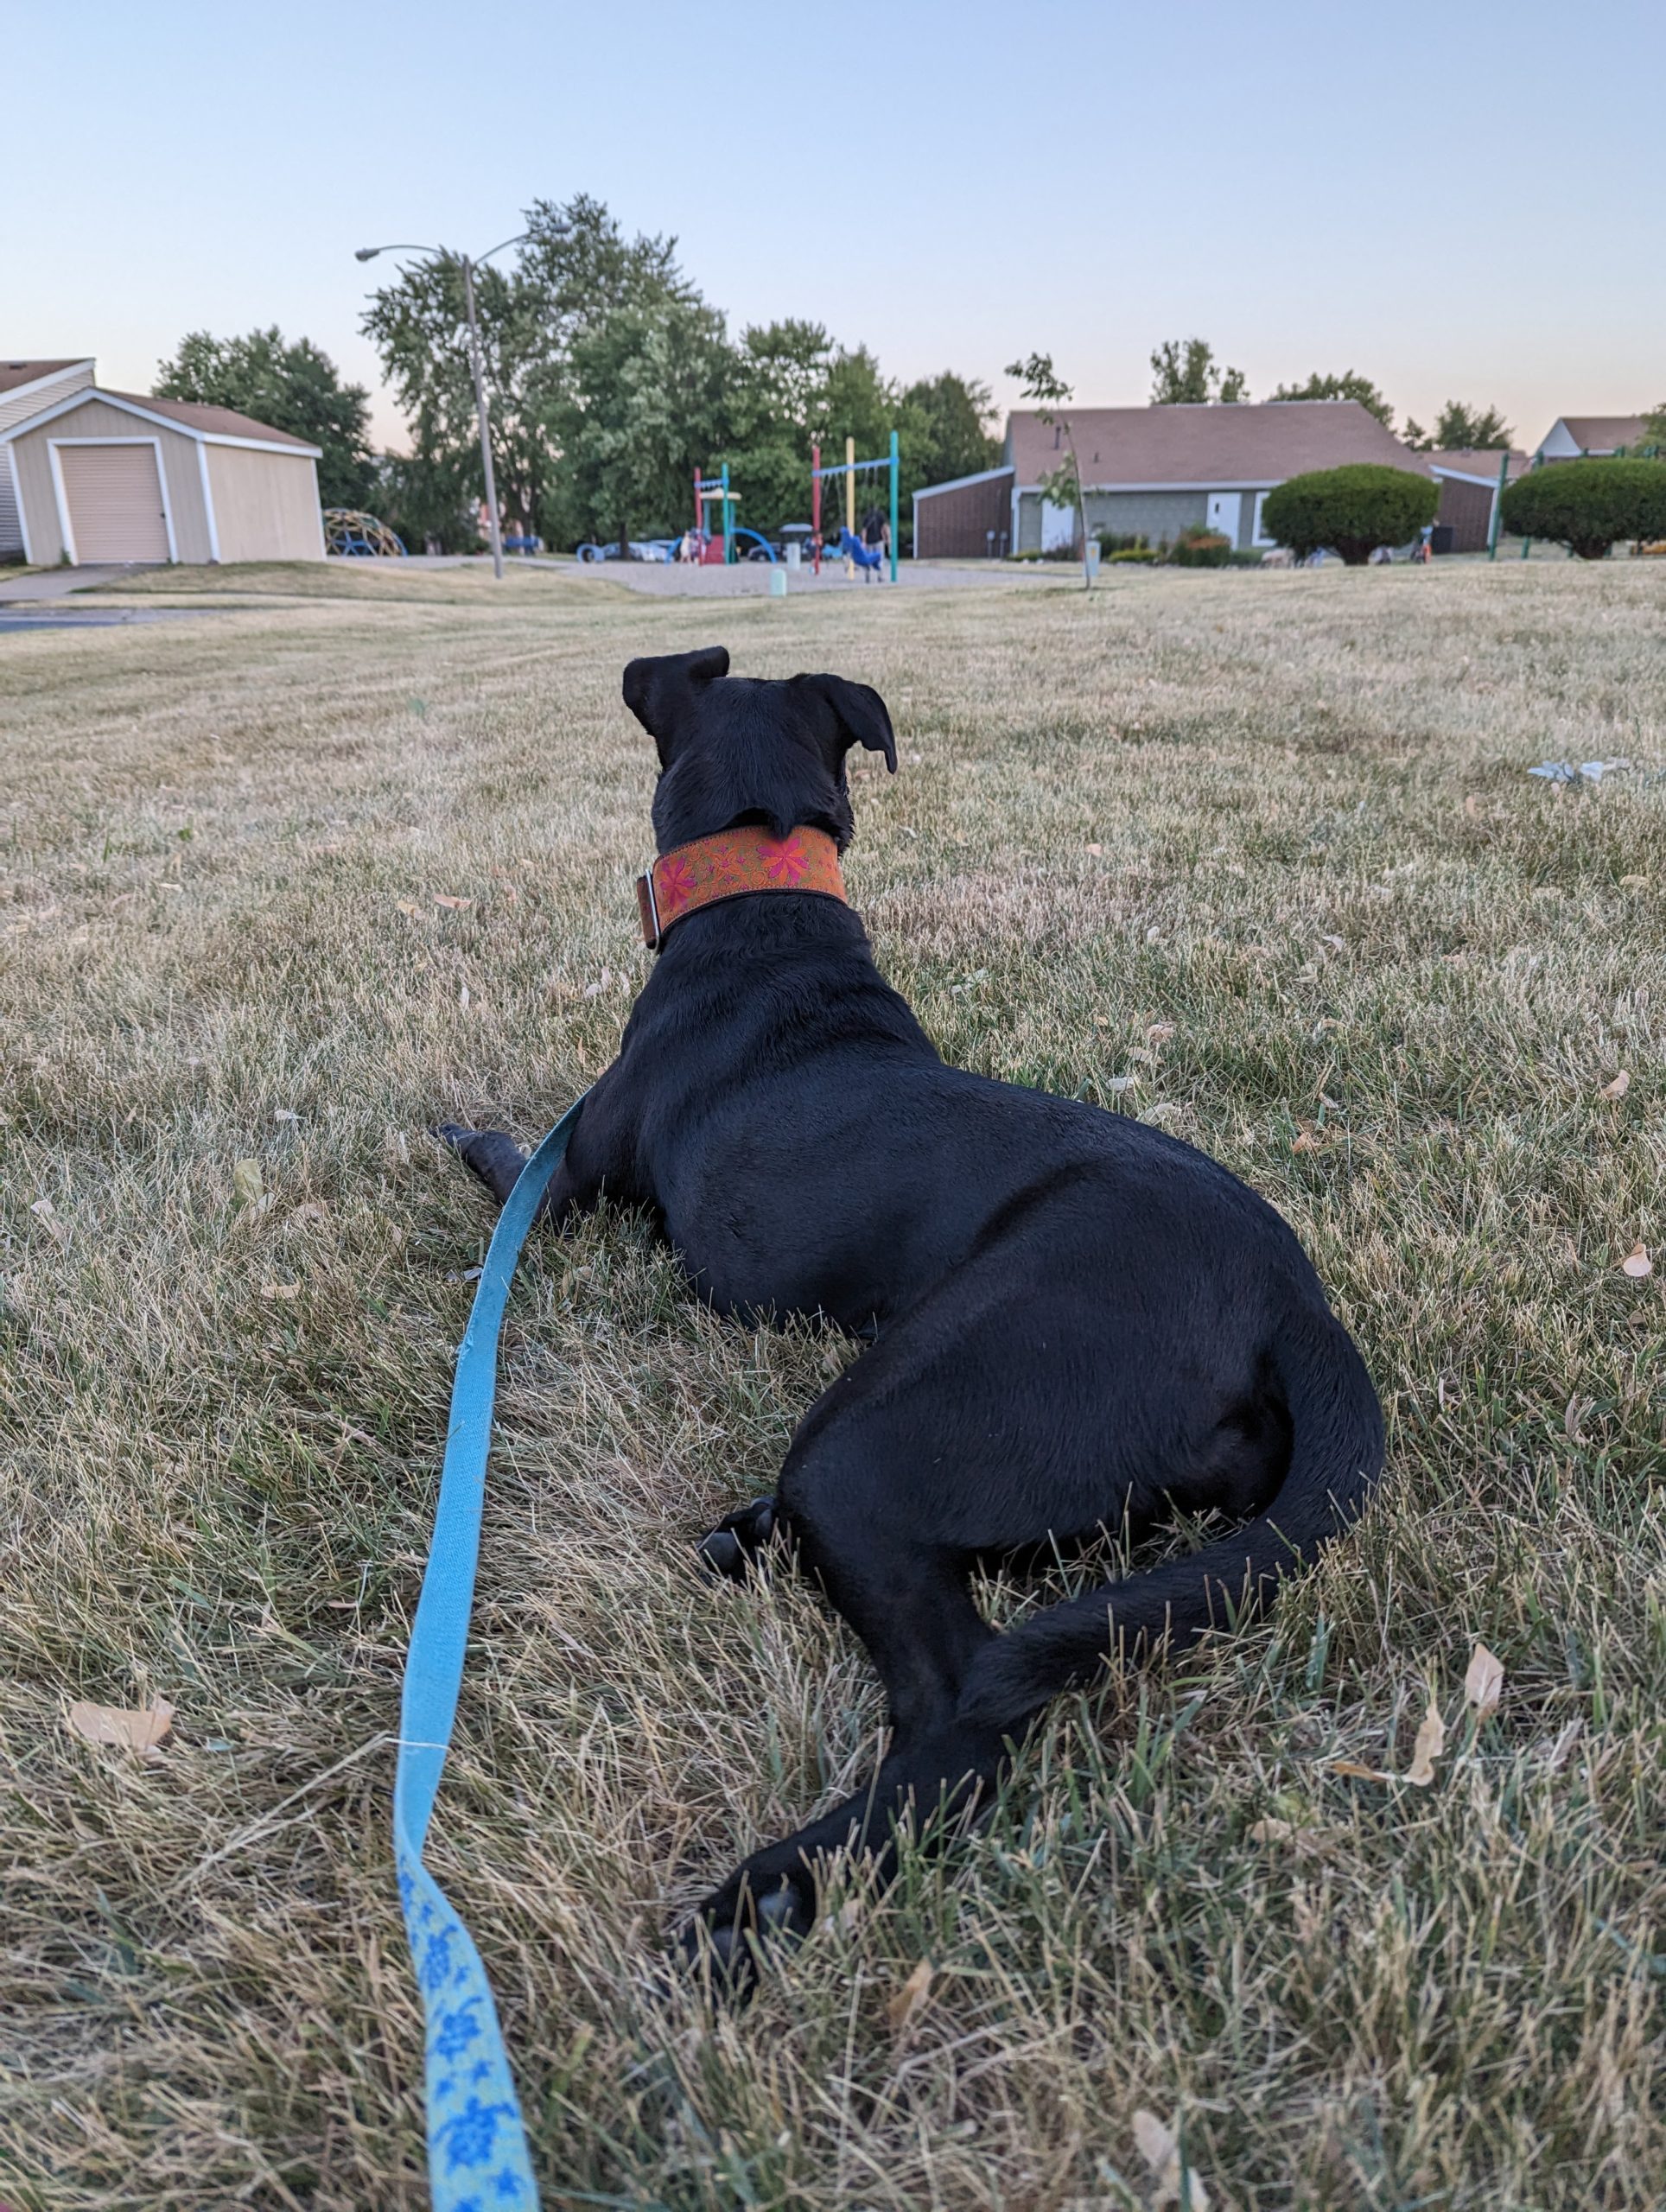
pixel 1260 536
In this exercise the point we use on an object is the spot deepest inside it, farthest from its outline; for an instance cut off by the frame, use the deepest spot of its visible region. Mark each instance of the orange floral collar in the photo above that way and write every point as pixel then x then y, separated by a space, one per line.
pixel 731 865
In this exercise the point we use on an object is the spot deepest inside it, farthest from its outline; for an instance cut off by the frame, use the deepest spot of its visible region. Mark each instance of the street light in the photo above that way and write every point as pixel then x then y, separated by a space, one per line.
pixel 468 267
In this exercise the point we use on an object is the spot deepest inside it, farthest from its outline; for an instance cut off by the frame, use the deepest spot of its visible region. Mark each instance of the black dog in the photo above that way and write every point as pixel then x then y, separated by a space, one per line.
pixel 1078 1323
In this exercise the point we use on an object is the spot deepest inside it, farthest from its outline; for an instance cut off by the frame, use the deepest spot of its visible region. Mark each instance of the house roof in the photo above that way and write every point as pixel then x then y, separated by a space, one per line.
pixel 1478 464
pixel 1206 447
pixel 1602 433
pixel 13 373
pixel 213 422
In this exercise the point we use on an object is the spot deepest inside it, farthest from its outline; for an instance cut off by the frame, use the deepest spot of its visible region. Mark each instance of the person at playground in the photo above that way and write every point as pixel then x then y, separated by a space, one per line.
pixel 873 536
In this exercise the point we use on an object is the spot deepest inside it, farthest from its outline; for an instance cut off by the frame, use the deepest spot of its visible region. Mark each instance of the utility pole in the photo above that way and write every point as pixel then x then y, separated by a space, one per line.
pixel 493 527
pixel 477 369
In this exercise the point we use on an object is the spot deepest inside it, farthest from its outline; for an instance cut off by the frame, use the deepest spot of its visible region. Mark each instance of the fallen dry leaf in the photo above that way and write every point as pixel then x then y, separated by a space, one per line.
pixel 1618 1087
pixel 111 1724
pixel 912 1998
pixel 1160 1033
pixel 1637 1263
pixel 1096 850
pixel 1271 1831
pixel 280 1290
pixel 1431 1742
pixel 1161 2152
pixel 445 898
pixel 408 906
pixel 1360 1773
pixel 284 1114
pixel 462 998
pixel 248 1184
pixel 47 1214
pixel 1484 1683
pixel 1633 882
pixel 1306 1138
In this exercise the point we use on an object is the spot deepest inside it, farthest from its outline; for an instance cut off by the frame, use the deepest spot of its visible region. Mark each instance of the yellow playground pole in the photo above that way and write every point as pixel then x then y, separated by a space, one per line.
pixel 850 498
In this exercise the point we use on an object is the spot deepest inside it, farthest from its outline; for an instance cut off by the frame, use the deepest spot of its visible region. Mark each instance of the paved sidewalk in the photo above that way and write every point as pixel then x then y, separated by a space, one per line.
pixel 56 583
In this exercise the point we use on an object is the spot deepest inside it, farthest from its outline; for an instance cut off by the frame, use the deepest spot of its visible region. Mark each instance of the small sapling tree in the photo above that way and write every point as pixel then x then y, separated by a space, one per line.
pixel 1063 487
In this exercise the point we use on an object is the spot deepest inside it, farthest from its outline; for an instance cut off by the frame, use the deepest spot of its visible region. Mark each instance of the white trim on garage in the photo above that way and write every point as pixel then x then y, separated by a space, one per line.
pixel 208 502
pixel 90 393
pixel 58 492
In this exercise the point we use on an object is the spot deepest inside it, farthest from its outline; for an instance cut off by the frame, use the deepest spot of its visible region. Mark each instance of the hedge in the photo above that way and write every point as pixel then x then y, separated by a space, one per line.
pixel 1589 506
pixel 1349 511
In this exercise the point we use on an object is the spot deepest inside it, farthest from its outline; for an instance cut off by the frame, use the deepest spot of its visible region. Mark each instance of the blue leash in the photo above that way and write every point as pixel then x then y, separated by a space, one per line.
pixel 476 2144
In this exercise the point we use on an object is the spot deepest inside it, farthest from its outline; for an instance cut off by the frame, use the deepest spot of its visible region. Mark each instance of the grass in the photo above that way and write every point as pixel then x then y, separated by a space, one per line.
pixel 1263 844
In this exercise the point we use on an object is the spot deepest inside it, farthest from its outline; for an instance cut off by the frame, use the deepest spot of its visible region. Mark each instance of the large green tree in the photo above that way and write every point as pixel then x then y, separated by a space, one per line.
pixel 574 269
pixel 292 386
pixel 1349 386
pixel 645 398
pixel 1185 373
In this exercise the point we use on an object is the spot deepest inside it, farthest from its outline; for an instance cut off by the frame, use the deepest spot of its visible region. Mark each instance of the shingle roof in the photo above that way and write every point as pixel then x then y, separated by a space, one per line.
pixel 12 373
pixel 220 422
pixel 1479 463
pixel 1207 446
pixel 1602 433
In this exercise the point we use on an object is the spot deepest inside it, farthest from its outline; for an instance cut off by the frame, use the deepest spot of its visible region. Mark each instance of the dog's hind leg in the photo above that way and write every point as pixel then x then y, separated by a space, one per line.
pixel 490 1153
pixel 866 1537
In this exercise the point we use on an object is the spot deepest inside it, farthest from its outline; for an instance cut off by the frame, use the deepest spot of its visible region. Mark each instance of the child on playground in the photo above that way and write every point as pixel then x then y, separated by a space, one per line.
pixel 876 537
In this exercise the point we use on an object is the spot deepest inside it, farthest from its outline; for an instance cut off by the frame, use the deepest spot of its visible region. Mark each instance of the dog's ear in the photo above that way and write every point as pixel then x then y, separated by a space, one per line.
pixel 658 690
pixel 860 713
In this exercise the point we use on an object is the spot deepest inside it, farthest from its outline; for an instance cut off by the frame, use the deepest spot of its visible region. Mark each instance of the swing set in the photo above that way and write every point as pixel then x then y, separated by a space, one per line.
pixel 857 554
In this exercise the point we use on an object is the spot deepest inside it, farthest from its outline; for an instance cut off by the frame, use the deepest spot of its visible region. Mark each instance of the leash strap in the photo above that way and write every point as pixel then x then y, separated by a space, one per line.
pixel 476 2144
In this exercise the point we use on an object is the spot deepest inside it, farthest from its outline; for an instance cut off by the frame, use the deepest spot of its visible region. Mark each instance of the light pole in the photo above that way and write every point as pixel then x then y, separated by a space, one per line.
pixel 475 363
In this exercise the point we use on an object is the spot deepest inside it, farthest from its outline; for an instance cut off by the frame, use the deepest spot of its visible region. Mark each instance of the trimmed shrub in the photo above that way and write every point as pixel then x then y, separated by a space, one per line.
pixel 1112 542
pixel 1145 554
pixel 1589 506
pixel 1350 510
pixel 1200 547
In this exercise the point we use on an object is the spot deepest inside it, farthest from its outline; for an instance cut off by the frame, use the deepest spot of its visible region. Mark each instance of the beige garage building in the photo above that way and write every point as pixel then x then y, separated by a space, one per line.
pixel 114 476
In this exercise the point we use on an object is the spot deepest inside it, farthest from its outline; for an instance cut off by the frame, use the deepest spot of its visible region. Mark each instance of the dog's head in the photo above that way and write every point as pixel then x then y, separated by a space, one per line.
pixel 735 749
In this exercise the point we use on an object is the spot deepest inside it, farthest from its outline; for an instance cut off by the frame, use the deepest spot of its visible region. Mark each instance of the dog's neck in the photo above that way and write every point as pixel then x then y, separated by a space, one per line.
pixel 736 863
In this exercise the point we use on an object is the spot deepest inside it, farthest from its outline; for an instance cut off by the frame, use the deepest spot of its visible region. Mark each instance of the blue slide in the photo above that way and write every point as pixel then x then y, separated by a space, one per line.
pixel 865 557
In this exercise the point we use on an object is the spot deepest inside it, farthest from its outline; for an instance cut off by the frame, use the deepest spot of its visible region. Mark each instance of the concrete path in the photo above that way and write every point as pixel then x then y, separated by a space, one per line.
pixel 750 579
pixel 57 583
pixel 48 617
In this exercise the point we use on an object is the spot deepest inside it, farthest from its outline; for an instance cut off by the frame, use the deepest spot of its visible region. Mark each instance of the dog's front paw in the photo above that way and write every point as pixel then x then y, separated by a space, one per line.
pixel 738 1541
pixel 734 1922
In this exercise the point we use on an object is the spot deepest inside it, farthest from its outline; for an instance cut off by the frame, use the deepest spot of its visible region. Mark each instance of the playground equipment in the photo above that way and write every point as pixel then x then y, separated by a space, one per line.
pixel 708 490
pixel 348 531
pixel 849 545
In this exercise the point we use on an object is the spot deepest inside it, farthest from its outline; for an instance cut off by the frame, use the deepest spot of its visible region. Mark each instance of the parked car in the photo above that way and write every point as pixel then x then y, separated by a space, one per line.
pixel 642 549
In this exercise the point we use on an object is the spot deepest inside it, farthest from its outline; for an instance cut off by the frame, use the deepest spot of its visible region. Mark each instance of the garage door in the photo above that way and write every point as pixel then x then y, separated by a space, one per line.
pixel 114 497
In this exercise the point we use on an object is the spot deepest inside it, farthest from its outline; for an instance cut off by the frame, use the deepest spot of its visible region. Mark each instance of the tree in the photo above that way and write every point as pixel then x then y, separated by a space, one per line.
pixel 1651 446
pixel 1589 506
pixel 575 268
pixel 647 398
pixel 1184 372
pixel 1459 428
pixel 1350 510
pixel 294 387
pixel 1349 386
pixel 1036 373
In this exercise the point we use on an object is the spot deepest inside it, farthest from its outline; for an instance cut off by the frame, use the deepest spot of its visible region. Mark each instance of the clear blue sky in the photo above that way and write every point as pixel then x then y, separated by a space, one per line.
pixel 1461 198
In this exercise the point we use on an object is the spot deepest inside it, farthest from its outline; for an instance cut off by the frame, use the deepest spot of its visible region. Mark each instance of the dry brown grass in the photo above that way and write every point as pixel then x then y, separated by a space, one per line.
pixel 1285 814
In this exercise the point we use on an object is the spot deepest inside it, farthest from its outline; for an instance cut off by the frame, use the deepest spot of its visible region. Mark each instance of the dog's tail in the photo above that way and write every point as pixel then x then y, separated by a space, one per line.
pixel 1336 1458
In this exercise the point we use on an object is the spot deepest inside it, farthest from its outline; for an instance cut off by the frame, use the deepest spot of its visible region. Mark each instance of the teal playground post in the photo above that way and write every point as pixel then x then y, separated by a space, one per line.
pixel 896 455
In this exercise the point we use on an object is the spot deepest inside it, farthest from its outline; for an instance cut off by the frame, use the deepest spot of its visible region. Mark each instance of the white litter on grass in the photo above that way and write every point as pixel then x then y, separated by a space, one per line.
pixel 1588 771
